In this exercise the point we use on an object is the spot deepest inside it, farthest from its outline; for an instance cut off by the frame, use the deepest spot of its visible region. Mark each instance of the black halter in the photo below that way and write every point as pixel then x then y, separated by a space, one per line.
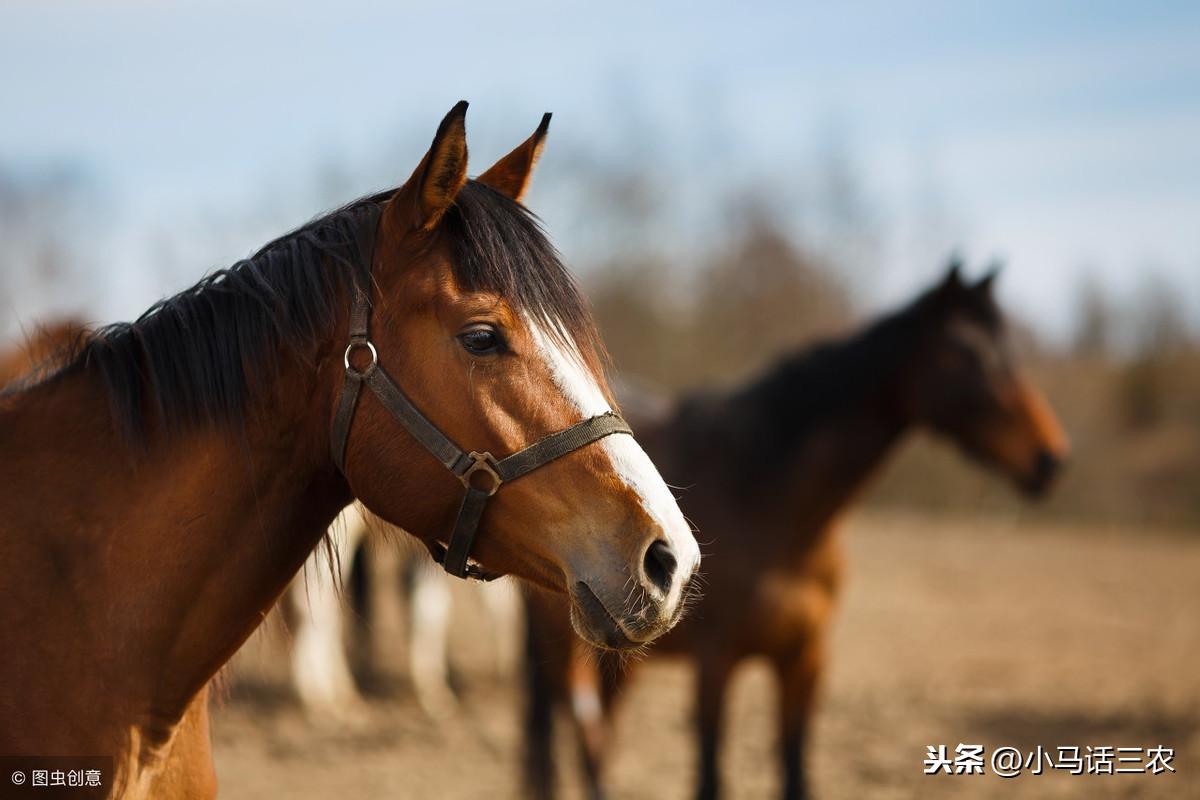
pixel 481 473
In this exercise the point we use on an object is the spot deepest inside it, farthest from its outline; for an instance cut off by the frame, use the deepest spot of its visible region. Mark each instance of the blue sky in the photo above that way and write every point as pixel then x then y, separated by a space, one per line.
pixel 1062 136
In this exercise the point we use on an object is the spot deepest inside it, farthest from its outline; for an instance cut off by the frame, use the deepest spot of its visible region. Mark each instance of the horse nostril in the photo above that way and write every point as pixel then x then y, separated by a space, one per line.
pixel 659 565
pixel 1044 470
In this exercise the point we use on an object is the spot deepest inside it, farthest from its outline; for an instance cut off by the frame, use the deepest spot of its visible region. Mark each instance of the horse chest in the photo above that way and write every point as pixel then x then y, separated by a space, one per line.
pixel 774 612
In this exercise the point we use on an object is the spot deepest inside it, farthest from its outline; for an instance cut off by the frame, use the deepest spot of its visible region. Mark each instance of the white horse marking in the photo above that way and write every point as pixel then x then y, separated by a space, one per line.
pixel 629 460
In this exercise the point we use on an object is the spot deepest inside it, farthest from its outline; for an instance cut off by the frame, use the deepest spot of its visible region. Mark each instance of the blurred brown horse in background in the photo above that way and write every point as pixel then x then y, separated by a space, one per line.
pixel 160 489
pixel 768 469
pixel 40 350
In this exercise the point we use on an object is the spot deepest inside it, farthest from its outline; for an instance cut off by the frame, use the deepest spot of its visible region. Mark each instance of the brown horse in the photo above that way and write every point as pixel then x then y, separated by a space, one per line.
pixel 40 350
pixel 158 491
pixel 769 469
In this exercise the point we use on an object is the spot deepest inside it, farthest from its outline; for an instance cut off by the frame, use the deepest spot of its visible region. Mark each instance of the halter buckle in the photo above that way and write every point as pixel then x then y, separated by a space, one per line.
pixel 481 462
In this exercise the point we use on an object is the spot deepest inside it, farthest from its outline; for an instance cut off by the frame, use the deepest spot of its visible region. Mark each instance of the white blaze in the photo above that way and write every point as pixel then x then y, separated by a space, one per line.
pixel 629 460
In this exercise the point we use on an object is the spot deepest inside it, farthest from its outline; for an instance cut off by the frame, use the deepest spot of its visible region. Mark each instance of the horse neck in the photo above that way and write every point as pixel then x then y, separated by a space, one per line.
pixel 823 425
pixel 159 562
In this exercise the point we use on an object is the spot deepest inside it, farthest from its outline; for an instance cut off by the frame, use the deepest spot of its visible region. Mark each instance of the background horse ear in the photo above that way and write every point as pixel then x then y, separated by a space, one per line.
pixel 437 180
pixel 953 279
pixel 947 292
pixel 988 281
pixel 510 175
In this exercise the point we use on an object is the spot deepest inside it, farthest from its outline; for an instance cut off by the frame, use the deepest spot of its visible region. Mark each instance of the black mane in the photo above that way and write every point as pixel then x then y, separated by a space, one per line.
pixel 198 356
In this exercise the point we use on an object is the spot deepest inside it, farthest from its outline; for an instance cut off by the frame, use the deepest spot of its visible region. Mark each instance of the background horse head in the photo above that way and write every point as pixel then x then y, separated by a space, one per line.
pixel 965 383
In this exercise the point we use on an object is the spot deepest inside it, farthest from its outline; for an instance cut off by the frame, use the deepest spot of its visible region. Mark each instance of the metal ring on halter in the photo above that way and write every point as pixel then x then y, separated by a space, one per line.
pixel 483 462
pixel 350 348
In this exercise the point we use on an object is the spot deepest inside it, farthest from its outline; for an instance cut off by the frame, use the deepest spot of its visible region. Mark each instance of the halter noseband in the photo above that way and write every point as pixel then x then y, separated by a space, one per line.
pixel 480 473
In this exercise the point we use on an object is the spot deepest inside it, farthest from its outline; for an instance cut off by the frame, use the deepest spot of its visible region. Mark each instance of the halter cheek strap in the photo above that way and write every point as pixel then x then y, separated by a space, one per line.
pixel 480 473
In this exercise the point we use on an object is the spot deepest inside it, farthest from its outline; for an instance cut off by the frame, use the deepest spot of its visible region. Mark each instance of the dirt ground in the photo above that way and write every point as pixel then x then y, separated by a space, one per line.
pixel 952 631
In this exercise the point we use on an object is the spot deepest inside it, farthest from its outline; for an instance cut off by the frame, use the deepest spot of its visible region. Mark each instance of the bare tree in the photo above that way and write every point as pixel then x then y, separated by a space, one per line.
pixel 1094 319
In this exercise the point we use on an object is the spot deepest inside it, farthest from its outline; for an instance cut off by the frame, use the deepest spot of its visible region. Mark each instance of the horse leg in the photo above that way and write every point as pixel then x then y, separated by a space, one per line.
pixel 504 611
pixel 797 674
pixel 548 642
pixel 429 605
pixel 593 681
pixel 320 671
pixel 358 582
pixel 712 677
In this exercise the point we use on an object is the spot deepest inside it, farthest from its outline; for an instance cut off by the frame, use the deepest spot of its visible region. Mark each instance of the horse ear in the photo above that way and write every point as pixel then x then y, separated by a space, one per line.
pixel 987 283
pixel 439 177
pixel 510 175
pixel 948 291
pixel 953 279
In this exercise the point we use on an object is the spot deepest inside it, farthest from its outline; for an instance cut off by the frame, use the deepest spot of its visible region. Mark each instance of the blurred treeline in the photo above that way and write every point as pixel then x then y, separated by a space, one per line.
pixel 1126 384
pixel 694 289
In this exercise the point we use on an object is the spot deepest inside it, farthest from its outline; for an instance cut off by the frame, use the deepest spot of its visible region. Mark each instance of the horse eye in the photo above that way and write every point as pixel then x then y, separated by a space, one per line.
pixel 481 340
